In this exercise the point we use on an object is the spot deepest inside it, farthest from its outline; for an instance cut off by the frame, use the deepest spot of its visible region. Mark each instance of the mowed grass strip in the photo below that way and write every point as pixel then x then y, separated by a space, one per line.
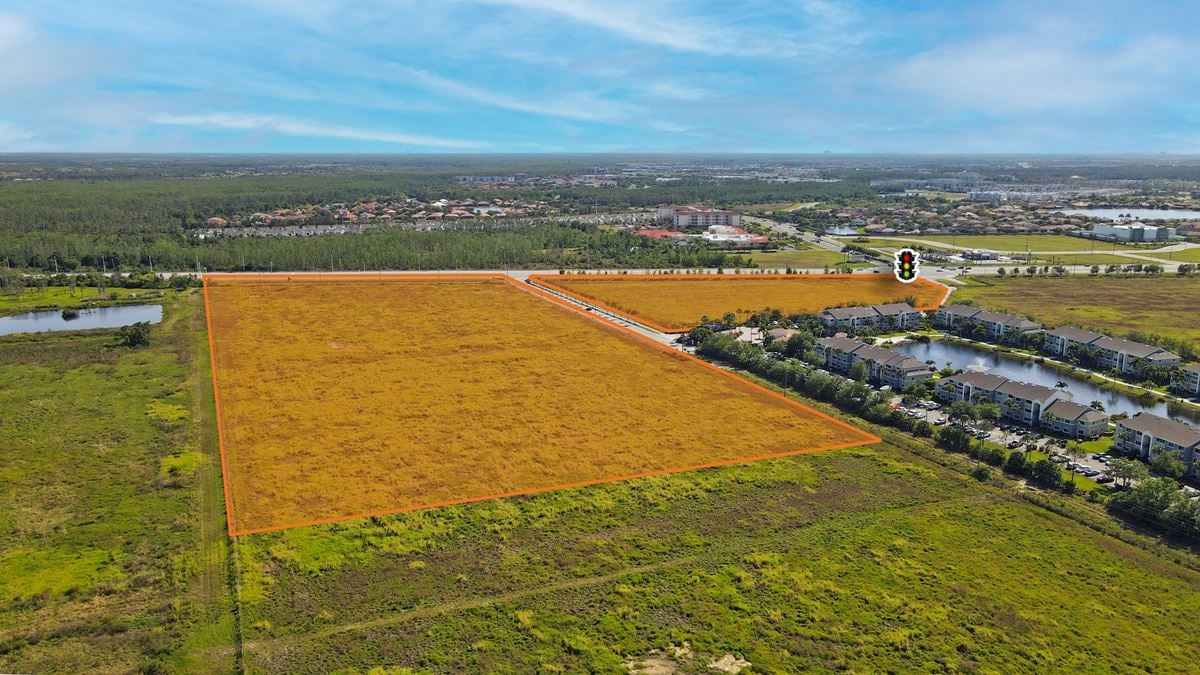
pixel 674 302
pixel 1163 305
pixel 346 398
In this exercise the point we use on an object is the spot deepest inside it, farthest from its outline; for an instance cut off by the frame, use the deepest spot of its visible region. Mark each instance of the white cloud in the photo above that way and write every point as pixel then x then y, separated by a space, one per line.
pixel 1032 72
pixel 572 106
pixel 243 122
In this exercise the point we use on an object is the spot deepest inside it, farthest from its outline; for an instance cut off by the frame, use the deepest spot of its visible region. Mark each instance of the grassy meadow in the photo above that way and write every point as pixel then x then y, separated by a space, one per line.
pixel 813 259
pixel 675 302
pixel 346 397
pixel 112 553
pixel 862 559
pixel 59 297
pixel 1163 305
pixel 1019 243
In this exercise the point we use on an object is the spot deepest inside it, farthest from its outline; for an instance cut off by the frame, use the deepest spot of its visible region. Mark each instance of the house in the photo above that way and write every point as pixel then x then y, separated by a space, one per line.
pixel 1068 418
pixel 889 317
pixel 884 366
pixel 1061 341
pixel 1147 435
pixel 1186 380
pixel 1131 358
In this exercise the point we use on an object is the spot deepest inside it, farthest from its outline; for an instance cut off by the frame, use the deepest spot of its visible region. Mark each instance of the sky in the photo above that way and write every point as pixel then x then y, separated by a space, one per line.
pixel 482 76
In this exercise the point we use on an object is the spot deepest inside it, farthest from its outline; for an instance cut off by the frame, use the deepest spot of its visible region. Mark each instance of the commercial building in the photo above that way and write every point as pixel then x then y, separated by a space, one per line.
pixel 697 217
pixel 1133 232
pixel 1186 380
pixel 1068 418
pixel 884 366
pixel 1147 435
pixel 893 316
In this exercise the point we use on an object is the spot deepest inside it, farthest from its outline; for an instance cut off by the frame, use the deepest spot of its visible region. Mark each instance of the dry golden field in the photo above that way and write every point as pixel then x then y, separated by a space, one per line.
pixel 674 303
pixel 356 397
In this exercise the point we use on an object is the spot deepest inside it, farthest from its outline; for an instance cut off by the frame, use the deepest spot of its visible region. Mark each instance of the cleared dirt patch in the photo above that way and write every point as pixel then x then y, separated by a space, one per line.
pixel 353 397
pixel 673 303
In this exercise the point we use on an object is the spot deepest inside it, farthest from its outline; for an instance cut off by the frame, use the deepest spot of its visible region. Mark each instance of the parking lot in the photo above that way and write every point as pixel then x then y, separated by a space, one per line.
pixel 1013 436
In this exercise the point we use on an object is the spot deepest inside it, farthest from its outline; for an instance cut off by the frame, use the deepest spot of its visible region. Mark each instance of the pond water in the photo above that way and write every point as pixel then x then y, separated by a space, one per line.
pixel 1025 370
pixel 98 317
pixel 841 230
pixel 1135 214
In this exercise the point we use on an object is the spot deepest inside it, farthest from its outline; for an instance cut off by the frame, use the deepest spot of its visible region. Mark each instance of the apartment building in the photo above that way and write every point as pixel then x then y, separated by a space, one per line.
pixel 893 316
pixel 697 217
pixel 884 366
pixel 1068 418
pixel 1060 341
pixel 1186 380
pixel 1131 358
pixel 1019 401
pixel 997 327
pixel 1147 435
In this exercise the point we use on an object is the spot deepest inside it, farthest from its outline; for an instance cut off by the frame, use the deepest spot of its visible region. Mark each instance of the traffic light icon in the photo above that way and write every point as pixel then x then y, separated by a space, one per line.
pixel 907 265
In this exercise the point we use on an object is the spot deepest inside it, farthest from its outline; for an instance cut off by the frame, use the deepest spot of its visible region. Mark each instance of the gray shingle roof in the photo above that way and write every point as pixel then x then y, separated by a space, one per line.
pixel 1024 390
pixel 1076 334
pixel 1072 411
pixel 1161 427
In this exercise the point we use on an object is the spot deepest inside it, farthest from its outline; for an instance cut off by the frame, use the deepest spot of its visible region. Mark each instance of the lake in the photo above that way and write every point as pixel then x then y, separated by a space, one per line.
pixel 98 317
pixel 1136 214
pixel 841 230
pixel 1024 370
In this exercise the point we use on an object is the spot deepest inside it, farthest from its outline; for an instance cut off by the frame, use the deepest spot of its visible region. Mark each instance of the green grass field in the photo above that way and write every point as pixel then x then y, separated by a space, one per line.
pixel 1164 306
pixel 1019 243
pixel 58 297
pixel 113 555
pixel 811 259
pixel 864 559
pixel 1191 255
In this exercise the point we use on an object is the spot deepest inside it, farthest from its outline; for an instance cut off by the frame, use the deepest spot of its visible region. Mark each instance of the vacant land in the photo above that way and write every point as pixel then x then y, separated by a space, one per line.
pixel 1164 306
pixel 802 260
pixel 1020 243
pixel 112 553
pixel 350 397
pixel 866 559
pixel 674 303
pixel 1191 255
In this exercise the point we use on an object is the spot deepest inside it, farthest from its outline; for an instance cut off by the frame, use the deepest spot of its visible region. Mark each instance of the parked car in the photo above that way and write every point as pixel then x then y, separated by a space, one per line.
pixel 1090 472
pixel 939 421
pixel 1013 445
pixel 1058 459
pixel 1105 479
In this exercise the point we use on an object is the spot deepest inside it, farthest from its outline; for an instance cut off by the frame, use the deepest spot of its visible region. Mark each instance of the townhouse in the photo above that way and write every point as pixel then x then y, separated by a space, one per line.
pixel 954 316
pixel 884 366
pixel 1186 380
pixel 1147 435
pixel 1068 418
pixel 1019 401
pixel 892 316
pixel 1131 358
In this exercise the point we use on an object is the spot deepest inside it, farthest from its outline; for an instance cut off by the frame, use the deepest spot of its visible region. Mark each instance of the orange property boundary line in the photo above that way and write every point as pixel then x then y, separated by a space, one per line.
pixel 867 438
pixel 547 281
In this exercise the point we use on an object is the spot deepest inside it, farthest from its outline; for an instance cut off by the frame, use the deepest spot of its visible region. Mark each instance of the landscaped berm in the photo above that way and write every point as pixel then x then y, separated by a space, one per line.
pixel 355 396
pixel 673 303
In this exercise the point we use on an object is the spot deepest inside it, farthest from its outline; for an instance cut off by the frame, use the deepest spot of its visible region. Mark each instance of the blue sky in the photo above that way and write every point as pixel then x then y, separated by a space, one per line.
pixel 602 76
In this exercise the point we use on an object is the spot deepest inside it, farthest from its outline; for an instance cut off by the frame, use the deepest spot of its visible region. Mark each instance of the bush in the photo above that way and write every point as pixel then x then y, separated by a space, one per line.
pixel 1046 473
pixel 1016 464
pixel 135 336
pixel 994 457
pixel 981 474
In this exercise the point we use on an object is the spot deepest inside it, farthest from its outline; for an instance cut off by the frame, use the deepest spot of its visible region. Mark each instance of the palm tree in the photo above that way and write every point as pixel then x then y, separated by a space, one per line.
pixel 1076 452
pixel 1096 405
